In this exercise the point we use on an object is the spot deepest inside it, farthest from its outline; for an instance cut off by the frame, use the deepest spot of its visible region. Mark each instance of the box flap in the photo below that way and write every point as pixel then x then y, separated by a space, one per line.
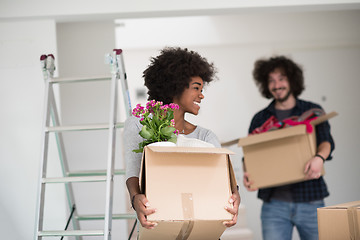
pixel 142 174
pixel 355 204
pixel 323 118
pixel 233 183
pixel 272 135
pixel 208 150
pixel 280 133
pixel 229 143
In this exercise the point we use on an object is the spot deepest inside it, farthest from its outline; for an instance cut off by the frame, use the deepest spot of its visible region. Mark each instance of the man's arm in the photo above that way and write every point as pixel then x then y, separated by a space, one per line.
pixel 246 181
pixel 314 167
pixel 324 150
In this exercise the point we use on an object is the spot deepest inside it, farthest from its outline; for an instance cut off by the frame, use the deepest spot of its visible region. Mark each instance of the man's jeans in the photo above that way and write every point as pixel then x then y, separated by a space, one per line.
pixel 278 219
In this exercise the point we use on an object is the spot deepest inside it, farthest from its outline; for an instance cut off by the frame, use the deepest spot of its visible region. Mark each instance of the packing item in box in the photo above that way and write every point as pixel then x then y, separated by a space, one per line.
pixel 339 222
pixel 189 187
pixel 279 156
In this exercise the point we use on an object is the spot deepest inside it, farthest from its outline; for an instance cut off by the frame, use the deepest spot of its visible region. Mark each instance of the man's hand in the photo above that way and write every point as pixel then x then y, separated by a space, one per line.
pixel 142 208
pixel 248 183
pixel 234 210
pixel 313 168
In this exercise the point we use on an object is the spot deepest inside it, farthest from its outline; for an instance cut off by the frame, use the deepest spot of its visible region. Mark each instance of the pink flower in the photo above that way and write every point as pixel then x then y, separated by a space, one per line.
pixel 150 104
pixel 164 107
pixel 174 106
pixel 138 111
pixel 172 122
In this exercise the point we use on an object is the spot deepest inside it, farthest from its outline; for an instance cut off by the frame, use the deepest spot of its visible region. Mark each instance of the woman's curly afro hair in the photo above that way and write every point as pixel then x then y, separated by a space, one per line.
pixel 170 73
pixel 290 69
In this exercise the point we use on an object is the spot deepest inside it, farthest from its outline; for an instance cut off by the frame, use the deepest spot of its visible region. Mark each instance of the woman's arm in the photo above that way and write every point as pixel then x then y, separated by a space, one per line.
pixel 140 203
pixel 133 162
pixel 235 201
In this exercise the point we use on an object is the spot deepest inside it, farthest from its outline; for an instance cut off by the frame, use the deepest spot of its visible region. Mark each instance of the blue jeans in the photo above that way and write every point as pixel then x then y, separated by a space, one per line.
pixel 278 219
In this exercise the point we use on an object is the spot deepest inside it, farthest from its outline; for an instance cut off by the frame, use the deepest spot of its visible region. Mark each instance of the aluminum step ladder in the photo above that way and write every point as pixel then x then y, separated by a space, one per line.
pixel 51 116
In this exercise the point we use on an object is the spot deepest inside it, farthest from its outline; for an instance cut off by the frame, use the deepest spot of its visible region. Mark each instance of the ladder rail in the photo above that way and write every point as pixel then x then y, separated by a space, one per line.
pixel 63 163
pixel 95 173
pixel 87 127
pixel 90 217
pixel 43 165
pixel 111 156
pixel 119 62
pixel 79 233
pixel 50 111
pixel 79 79
pixel 74 179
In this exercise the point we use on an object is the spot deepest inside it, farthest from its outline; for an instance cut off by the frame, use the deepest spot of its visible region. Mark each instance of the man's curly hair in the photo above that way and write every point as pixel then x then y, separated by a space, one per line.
pixel 289 68
pixel 170 73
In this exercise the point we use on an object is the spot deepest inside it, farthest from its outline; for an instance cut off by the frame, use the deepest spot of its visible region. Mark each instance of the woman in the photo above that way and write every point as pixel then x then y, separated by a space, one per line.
pixel 175 76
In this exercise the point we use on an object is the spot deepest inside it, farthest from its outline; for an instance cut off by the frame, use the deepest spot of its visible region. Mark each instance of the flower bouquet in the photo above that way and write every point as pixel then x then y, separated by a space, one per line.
pixel 158 123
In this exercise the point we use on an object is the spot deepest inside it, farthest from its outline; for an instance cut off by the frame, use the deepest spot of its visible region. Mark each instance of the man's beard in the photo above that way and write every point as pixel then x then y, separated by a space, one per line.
pixel 281 100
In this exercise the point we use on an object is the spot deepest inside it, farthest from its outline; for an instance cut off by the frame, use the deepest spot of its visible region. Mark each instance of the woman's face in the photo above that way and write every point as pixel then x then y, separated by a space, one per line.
pixel 190 99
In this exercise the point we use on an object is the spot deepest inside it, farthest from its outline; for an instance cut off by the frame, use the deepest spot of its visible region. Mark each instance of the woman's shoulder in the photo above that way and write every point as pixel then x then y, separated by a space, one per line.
pixel 132 123
pixel 206 135
pixel 203 130
pixel 132 120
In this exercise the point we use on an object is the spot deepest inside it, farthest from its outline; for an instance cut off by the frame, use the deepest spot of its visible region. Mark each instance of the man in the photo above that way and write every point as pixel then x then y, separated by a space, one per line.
pixel 296 204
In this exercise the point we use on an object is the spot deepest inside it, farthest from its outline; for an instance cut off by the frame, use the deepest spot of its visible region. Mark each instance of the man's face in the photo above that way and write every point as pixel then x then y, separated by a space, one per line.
pixel 279 86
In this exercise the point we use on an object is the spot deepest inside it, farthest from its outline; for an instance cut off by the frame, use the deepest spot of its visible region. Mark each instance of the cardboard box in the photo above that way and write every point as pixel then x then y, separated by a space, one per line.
pixel 339 222
pixel 279 157
pixel 189 187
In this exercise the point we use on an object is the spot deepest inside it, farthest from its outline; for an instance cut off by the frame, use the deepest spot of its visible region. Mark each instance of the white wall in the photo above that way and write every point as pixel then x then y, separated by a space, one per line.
pixel 21 104
pixel 67 10
pixel 325 43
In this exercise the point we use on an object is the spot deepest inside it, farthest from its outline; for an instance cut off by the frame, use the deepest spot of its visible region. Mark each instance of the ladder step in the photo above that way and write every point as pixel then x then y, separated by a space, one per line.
pixel 71 233
pixel 79 79
pixel 103 126
pixel 74 179
pixel 95 173
pixel 102 217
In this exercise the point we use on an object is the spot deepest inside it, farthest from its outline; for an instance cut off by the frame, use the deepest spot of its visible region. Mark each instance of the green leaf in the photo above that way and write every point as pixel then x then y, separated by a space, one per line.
pixel 170 115
pixel 146 132
pixel 167 131
pixel 142 145
pixel 138 150
pixel 156 121
pixel 173 138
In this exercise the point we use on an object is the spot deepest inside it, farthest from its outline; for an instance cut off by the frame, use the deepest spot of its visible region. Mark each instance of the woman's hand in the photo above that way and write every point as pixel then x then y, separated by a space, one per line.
pixel 248 183
pixel 234 210
pixel 142 208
